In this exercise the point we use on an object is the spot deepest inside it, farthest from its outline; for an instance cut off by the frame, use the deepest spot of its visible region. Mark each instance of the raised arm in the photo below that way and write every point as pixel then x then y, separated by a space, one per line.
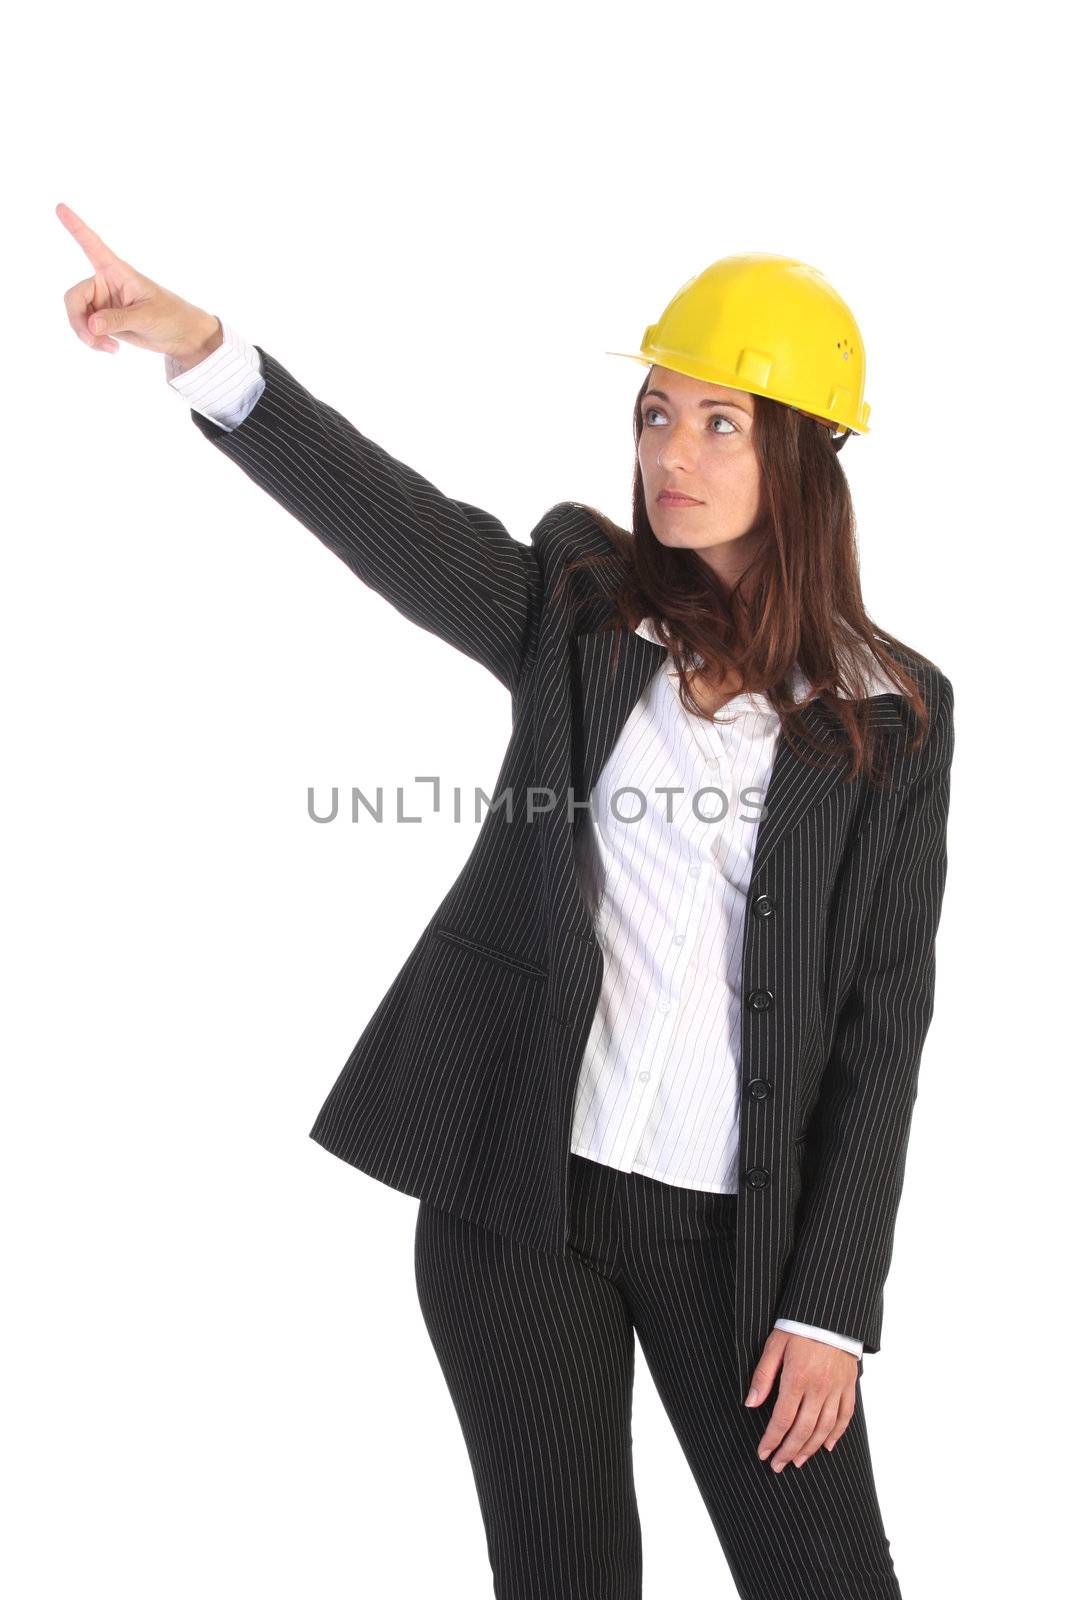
pixel 447 565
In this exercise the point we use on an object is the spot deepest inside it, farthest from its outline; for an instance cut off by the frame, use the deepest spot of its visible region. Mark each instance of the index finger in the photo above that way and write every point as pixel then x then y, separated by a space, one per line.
pixel 781 1420
pixel 91 242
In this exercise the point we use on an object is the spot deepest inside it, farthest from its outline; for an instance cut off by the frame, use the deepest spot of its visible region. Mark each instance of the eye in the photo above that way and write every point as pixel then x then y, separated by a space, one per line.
pixel 716 416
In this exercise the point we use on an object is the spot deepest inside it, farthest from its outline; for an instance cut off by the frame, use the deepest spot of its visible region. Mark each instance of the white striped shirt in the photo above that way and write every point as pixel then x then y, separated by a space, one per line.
pixel 666 862
pixel 658 1088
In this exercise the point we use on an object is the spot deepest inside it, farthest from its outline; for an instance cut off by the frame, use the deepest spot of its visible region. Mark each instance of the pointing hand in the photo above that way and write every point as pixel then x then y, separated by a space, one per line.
pixel 120 303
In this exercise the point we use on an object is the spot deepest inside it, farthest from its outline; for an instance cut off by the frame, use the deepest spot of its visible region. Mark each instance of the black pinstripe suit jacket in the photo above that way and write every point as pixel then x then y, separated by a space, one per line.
pixel 460 1087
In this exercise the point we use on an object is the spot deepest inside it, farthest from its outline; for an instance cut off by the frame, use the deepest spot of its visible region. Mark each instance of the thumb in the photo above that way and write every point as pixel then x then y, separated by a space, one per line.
pixel 114 320
pixel 766 1369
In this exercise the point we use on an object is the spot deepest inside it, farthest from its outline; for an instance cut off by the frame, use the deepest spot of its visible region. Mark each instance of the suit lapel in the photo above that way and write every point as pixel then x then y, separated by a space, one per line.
pixel 607 698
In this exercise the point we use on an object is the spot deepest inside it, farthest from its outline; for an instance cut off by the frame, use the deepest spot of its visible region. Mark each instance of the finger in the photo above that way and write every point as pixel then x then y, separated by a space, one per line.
pixel 781 1419
pixel 91 242
pixel 764 1375
pixel 844 1417
pixel 78 301
pixel 827 1418
pixel 115 319
pixel 79 304
pixel 799 1433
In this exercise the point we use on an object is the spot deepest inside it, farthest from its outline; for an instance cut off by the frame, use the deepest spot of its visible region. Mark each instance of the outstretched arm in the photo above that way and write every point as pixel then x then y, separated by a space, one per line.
pixel 448 566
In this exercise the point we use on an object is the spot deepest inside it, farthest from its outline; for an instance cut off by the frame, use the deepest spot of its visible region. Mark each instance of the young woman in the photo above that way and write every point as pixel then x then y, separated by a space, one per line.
pixel 650 1068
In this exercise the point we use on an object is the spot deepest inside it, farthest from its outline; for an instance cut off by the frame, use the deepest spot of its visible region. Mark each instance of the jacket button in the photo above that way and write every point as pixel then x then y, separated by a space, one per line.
pixel 760 999
pixel 757 1177
pixel 763 906
pixel 757 1088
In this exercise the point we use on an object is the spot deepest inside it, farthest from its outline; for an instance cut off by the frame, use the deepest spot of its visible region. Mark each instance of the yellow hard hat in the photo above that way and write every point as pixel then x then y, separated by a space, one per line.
pixel 768 325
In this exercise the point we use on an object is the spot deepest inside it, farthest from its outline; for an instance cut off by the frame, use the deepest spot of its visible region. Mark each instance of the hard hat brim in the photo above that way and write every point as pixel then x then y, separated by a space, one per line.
pixel 834 423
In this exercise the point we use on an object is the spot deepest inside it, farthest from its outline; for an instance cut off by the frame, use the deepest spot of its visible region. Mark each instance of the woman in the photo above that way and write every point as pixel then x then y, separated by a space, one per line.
pixel 651 1066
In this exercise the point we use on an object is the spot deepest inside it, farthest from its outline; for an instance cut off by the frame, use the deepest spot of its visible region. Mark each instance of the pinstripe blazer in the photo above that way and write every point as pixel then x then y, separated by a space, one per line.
pixel 460 1088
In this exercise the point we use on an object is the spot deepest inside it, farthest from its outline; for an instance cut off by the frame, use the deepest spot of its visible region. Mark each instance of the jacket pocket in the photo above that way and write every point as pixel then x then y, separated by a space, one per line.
pixel 532 969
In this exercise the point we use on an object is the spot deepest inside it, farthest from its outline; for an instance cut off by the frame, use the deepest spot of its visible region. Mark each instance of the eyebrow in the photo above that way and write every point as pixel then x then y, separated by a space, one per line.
pixel 732 405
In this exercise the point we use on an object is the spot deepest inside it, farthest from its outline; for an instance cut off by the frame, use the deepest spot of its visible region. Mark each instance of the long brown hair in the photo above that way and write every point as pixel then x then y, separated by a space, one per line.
pixel 798 601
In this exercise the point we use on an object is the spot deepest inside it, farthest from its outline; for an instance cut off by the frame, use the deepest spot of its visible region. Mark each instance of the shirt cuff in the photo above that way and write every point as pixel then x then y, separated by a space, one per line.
pixel 225 385
pixel 841 1340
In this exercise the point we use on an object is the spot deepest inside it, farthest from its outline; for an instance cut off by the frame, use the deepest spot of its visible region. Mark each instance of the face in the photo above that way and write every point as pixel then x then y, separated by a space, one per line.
pixel 696 439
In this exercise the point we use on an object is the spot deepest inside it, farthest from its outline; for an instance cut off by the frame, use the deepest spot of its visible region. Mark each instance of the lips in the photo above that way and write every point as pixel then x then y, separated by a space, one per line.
pixel 666 499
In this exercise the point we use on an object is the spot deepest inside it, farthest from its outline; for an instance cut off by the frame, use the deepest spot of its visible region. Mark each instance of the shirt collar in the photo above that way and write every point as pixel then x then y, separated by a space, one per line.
pixel 756 702
pixel 876 681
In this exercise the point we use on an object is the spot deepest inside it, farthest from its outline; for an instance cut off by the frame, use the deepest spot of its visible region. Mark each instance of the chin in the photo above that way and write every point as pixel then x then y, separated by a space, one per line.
pixel 694 536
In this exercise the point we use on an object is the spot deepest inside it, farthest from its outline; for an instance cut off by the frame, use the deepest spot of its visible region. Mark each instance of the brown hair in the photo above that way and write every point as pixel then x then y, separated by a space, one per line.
pixel 799 599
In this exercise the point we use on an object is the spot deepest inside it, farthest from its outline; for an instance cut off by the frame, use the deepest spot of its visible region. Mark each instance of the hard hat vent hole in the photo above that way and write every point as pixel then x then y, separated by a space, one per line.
pixel 845 348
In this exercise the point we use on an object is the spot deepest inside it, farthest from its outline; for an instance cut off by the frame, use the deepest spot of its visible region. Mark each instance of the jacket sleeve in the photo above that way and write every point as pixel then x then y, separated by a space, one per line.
pixel 859 1129
pixel 447 566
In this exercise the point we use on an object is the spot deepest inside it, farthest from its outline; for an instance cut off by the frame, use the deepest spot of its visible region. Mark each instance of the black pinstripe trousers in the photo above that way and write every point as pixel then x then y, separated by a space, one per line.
pixel 538 1354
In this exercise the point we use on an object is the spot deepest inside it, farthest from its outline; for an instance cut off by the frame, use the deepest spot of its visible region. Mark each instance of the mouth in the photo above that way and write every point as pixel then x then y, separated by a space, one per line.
pixel 669 499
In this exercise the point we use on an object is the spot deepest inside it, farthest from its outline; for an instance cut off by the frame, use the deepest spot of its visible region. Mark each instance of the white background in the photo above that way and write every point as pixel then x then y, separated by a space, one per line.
pixel 218 1380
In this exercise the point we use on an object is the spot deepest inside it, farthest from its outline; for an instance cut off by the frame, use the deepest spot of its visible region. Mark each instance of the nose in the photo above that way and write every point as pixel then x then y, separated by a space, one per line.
pixel 676 450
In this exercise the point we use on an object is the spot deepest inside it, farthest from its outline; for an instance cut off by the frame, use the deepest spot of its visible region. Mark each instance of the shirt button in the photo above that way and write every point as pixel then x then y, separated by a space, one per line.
pixel 643 1076
pixel 694 872
pixel 665 1005
pixel 679 938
